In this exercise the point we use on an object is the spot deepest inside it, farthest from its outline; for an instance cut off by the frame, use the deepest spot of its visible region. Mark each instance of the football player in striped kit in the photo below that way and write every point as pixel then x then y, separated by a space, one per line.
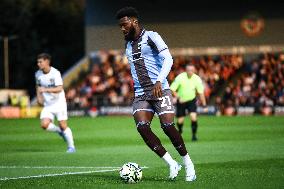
pixel 150 62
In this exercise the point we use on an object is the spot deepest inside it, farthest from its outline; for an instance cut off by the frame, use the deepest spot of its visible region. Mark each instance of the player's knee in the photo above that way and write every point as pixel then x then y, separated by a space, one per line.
pixel 167 125
pixel 180 120
pixel 193 116
pixel 194 120
pixel 44 124
pixel 168 128
pixel 142 125
pixel 63 125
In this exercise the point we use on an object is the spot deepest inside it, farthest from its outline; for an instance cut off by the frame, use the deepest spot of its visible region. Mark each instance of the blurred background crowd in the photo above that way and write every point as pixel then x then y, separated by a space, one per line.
pixel 237 49
pixel 230 81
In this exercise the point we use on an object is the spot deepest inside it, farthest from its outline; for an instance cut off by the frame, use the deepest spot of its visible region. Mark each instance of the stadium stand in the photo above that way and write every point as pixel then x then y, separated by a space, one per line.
pixel 234 83
pixel 260 85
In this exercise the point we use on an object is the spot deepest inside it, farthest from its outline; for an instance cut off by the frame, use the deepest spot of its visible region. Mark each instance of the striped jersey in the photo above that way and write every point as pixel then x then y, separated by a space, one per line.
pixel 146 62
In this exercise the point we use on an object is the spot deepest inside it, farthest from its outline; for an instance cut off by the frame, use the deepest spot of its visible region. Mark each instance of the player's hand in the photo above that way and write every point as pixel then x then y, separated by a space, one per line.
pixel 175 100
pixel 157 89
pixel 42 89
pixel 40 102
pixel 205 109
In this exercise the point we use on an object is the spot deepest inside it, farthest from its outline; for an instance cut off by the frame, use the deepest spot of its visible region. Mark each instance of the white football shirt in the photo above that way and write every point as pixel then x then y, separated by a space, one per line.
pixel 51 79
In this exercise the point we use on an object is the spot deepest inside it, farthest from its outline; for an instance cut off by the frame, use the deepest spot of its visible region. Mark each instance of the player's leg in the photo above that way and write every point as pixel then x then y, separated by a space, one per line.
pixel 62 117
pixel 143 120
pixel 168 126
pixel 177 140
pixel 47 124
pixel 165 109
pixel 143 115
pixel 166 116
pixel 180 121
pixel 68 136
pixel 180 114
pixel 192 109
pixel 194 125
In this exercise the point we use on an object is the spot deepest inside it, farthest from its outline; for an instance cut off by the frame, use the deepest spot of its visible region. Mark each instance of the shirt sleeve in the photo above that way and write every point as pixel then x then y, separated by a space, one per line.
pixel 199 85
pixel 37 80
pixel 58 79
pixel 156 42
pixel 167 59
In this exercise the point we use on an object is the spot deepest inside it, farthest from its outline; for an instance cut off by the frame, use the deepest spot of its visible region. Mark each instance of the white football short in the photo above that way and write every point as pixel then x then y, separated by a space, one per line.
pixel 52 111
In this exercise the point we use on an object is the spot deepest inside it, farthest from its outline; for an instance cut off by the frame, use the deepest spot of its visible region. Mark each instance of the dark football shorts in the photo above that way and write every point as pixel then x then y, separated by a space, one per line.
pixel 160 106
pixel 186 107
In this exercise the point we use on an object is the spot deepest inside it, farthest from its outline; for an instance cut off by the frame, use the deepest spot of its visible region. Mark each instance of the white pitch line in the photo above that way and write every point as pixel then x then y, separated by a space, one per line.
pixel 54 167
pixel 58 167
pixel 58 174
pixel 107 169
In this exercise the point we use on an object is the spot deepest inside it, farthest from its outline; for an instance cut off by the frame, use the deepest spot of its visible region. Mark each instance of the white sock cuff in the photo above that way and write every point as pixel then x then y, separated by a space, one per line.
pixel 168 158
pixel 187 160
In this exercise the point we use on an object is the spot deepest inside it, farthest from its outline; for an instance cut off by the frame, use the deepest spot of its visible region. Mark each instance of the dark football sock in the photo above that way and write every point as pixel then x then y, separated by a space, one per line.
pixel 194 127
pixel 150 138
pixel 180 125
pixel 175 137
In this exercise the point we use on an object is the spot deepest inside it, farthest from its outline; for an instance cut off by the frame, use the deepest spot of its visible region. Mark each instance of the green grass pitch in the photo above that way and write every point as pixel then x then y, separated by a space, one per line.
pixel 232 152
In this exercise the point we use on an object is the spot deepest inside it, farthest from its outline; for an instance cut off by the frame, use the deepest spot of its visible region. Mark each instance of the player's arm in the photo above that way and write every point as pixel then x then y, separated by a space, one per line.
pixel 175 94
pixel 56 89
pixel 58 85
pixel 203 102
pixel 165 70
pixel 200 92
pixel 174 87
pixel 202 99
pixel 166 59
pixel 39 96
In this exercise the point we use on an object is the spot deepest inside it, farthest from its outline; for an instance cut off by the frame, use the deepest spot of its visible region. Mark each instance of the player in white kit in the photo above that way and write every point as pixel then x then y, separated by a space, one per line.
pixel 50 94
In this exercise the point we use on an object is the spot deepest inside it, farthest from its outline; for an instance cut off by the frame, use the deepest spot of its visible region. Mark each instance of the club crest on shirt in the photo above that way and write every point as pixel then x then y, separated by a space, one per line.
pixel 51 82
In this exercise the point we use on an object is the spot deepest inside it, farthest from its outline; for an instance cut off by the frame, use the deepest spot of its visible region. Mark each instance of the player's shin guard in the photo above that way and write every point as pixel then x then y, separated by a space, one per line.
pixel 150 138
pixel 175 137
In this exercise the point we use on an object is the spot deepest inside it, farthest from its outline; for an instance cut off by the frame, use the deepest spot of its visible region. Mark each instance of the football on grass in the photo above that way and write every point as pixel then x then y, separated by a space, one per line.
pixel 130 173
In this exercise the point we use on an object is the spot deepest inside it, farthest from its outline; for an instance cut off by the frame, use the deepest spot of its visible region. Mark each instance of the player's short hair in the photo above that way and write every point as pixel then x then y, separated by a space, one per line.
pixel 127 11
pixel 44 56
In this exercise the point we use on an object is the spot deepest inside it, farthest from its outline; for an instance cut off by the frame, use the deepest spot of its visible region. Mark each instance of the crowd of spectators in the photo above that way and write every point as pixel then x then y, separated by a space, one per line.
pixel 230 81
pixel 214 70
pixel 109 81
pixel 261 85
